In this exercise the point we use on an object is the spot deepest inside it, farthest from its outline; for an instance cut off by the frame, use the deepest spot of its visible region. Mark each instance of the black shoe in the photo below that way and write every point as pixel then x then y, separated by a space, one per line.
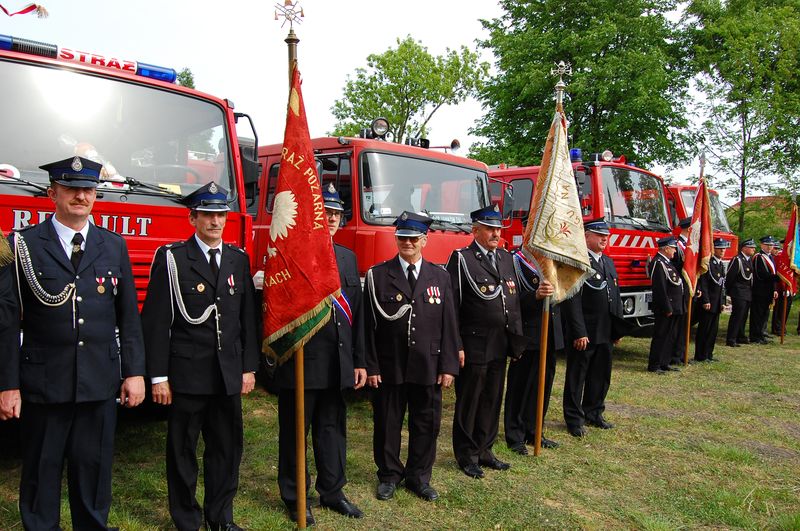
pixel 577 431
pixel 494 464
pixel 473 471
pixel 213 526
pixel 426 492
pixel 309 517
pixel 670 368
pixel 762 342
pixel 344 507
pixel 549 444
pixel 386 491
pixel 712 360
pixel 743 341
pixel 519 448
pixel 657 370
pixel 601 423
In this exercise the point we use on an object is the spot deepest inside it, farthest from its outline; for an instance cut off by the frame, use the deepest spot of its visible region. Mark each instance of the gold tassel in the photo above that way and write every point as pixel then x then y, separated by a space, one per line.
pixel 6 256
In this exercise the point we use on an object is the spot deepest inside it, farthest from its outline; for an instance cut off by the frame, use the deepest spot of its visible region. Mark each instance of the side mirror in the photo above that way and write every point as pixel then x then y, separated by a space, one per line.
pixel 508 200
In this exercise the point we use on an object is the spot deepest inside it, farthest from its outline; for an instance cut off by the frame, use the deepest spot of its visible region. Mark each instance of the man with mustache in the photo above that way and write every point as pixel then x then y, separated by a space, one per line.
pixel 488 307
pixel 75 290
pixel 199 320
pixel 411 338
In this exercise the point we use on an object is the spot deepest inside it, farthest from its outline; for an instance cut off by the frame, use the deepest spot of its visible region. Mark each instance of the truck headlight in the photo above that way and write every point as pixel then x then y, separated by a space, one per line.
pixel 628 305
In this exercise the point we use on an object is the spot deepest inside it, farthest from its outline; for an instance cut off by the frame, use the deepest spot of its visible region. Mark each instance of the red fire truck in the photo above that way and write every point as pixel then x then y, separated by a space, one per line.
pixel 377 181
pixel 681 199
pixel 158 142
pixel 632 201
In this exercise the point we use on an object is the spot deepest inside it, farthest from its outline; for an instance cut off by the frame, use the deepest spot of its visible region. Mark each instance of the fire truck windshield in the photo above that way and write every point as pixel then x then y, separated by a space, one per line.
pixel 719 221
pixel 155 145
pixel 447 193
pixel 634 198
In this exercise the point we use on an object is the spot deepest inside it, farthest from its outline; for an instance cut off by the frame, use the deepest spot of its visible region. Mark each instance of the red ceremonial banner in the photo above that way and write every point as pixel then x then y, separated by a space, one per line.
pixel 785 258
pixel 301 273
pixel 700 243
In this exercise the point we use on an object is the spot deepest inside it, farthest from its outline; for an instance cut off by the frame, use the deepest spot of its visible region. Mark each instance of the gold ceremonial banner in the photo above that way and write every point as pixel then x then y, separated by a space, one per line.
pixel 554 234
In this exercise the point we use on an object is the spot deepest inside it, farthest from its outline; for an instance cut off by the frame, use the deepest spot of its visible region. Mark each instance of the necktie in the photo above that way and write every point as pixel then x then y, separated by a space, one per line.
pixel 412 280
pixel 77 252
pixel 212 261
pixel 490 255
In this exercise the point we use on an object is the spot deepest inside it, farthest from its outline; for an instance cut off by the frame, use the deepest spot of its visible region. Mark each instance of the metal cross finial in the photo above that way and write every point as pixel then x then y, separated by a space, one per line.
pixel 562 69
pixel 290 12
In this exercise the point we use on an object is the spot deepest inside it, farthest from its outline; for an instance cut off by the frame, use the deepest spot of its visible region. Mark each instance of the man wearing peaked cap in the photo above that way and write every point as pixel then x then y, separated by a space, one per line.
pixel 202 351
pixel 412 353
pixel 490 330
pixel 63 380
pixel 739 285
pixel 334 361
pixel 785 297
pixel 765 278
pixel 711 286
pixel 668 308
pixel 678 259
pixel 591 336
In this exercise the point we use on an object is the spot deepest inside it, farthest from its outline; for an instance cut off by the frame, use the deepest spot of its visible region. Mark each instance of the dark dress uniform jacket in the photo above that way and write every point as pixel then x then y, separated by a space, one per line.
pixel 187 353
pixel 531 310
pixel 739 278
pixel 590 313
pixel 322 369
pixel 764 277
pixel 431 348
pixel 712 285
pixel 57 362
pixel 482 321
pixel 667 287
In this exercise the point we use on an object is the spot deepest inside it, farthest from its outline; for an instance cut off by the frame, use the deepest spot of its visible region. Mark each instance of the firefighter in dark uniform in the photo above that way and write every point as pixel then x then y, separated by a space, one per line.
pixel 412 353
pixel 333 361
pixel 75 291
pixel 668 306
pixel 519 414
pixel 765 277
pixel 7 302
pixel 202 352
pixel 784 296
pixel 739 286
pixel 677 260
pixel 711 286
pixel 489 320
pixel 591 336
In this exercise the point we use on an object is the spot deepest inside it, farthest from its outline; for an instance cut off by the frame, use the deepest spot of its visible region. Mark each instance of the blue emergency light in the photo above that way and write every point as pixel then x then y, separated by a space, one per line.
pixel 575 155
pixel 16 44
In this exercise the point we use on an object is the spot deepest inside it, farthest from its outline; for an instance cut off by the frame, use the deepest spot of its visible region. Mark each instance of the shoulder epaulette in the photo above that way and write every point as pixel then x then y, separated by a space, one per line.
pixel 174 245
pixel 235 248
pixel 26 227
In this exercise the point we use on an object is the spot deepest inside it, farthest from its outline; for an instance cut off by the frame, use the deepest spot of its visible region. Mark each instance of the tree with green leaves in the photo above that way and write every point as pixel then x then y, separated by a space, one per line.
pixel 747 52
pixel 407 85
pixel 185 78
pixel 628 91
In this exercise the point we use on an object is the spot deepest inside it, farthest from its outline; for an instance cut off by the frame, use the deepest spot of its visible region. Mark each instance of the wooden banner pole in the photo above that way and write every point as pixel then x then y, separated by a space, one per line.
pixel 537 445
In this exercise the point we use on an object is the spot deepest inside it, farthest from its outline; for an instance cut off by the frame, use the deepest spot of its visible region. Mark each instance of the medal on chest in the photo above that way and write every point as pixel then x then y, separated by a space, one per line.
pixel 231 285
pixel 434 295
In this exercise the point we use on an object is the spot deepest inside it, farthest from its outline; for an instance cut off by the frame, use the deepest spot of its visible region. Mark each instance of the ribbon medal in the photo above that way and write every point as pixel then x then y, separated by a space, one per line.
pixel 511 286
pixel 434 295
pixel 231 285
pixel 114 282
pixel 100 287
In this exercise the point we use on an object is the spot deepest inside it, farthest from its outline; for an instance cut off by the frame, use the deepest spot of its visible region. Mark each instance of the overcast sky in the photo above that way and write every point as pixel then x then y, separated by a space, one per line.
pixel 236 48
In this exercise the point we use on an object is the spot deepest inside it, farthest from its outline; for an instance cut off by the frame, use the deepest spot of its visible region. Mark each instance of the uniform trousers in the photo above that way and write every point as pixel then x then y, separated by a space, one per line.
pixel 707 328
pixel 759 315
pixel 679 350
pixel 389 404
pixel 81 433
pixel 519 414
pixel 740 309
pixel 665 334
pixel 219 418
pixel 326 415
pixel 586 383
pixel 777 313
pixel 479 395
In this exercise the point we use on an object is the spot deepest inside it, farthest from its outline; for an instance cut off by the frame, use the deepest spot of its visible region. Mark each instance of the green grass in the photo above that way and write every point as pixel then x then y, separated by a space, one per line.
pixel 714 446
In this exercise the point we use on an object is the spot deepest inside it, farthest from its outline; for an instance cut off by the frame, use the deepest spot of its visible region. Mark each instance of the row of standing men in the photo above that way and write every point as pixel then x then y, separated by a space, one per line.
pixel 416 328
pixel 751 281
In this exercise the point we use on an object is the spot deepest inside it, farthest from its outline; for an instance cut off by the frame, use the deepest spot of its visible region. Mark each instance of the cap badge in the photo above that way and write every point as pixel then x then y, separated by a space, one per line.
pixel 331 188
pixel 213 188
pixel 404 216
pixel 76 164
